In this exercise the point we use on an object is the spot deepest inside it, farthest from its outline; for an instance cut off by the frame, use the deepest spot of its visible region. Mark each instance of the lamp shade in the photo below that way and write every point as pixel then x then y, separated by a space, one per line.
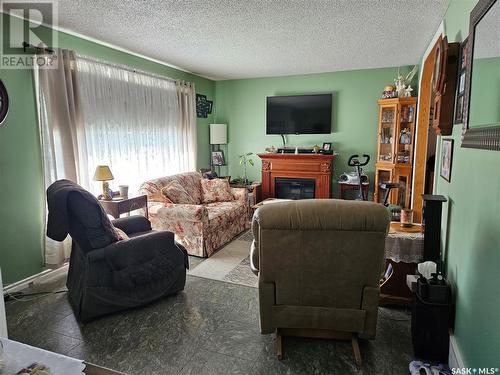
pixel 218 134
pixel 103 173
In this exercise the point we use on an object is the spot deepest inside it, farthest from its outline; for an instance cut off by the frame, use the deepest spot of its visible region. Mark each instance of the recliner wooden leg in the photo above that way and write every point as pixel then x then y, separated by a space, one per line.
pixel 279 345
pixel 355 348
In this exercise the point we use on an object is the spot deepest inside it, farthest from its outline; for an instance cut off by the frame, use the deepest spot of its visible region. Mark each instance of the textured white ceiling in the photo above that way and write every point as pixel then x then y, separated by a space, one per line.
pixel 225 39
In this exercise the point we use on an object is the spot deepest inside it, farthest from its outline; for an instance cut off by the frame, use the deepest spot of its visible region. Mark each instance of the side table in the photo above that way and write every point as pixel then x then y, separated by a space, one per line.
pixel 404 249
pixel 343 187
pixel 254 190
pixel 117 207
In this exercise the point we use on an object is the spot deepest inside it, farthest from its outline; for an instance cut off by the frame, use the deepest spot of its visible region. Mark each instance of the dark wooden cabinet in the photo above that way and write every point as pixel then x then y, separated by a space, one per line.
pixel 444 89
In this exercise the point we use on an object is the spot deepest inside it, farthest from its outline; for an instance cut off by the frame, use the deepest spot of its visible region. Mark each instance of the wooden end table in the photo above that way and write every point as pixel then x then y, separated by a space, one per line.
pixel 343 187
pixel 117 207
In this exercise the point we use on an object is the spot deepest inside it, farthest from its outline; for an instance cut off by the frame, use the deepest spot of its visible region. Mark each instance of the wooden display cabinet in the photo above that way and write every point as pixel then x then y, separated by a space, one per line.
pixel 396 136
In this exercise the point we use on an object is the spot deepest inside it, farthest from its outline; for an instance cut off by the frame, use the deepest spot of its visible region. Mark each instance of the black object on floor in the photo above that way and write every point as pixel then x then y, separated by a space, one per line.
pixel 430 324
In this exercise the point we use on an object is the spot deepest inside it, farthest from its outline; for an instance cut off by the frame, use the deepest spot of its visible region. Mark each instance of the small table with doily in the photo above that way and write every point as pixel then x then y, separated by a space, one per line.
pixel 404 249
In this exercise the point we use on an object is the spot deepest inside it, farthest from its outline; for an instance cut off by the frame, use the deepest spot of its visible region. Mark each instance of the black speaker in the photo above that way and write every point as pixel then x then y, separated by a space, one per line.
pixel 432 211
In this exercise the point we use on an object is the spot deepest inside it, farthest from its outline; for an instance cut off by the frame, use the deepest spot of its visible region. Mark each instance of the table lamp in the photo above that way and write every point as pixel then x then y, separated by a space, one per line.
pixel 218 134
pixel 103 173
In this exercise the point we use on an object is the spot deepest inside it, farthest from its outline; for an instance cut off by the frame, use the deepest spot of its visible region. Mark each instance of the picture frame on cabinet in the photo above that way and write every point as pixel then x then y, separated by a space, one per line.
pixel 327 146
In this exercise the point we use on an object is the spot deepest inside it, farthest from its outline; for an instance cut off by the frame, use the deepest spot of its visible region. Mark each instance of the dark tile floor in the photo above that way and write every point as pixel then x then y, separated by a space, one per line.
pixel 209 328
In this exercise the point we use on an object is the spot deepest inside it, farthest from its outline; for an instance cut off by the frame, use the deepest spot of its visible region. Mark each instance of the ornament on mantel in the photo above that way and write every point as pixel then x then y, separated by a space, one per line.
pixel 403 87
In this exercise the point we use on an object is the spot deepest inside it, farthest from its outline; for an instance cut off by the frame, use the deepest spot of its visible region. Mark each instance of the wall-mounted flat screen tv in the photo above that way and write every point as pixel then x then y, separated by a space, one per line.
pixel 301 114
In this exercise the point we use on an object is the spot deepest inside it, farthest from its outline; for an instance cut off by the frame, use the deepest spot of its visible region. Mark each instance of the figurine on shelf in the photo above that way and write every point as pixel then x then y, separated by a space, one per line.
pixel 403 87
pixel 389 92
pixel 405 137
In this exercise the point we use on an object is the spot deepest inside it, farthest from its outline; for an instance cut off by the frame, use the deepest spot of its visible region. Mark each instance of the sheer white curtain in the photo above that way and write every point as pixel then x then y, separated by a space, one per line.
pixel 62 135
pixel 91 112
pixel 187 101
pixel 133 123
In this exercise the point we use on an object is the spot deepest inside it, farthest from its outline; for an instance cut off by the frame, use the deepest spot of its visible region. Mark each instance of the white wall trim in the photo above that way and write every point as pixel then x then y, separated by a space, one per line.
pixel 439 32
pixel 455 358
pixel 43 276
pixel 113 46
pixel 3 317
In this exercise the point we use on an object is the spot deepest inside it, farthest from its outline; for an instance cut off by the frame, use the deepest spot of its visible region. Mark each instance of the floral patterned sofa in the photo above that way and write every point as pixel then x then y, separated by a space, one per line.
pixel 201 228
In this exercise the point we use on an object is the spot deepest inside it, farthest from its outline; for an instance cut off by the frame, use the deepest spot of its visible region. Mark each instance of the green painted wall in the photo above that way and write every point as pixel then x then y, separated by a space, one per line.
pixel 21 192
pixel 242 105
pixel 21 195
pixel 470 234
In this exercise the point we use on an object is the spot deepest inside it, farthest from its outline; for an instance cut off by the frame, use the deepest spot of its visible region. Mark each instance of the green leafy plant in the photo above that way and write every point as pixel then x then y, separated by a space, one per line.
pixel 244 159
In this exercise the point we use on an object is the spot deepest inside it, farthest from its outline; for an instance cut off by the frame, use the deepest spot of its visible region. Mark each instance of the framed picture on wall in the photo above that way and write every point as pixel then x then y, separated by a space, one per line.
pixel 203 106
pixel 218 158
pixel 446 159
pixel 459 100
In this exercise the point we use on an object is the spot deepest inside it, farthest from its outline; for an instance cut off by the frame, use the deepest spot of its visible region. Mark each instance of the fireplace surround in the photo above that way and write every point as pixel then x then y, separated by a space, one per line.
pixel 315 168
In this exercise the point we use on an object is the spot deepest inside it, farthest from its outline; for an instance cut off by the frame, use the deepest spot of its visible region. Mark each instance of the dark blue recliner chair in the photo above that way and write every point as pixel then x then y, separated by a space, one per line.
pixel 107 273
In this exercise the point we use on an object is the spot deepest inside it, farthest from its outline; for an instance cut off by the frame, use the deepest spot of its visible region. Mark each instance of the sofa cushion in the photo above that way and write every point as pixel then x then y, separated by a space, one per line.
pixel 216 190
pixel 176 193
pixel 190 181
pixel 228 209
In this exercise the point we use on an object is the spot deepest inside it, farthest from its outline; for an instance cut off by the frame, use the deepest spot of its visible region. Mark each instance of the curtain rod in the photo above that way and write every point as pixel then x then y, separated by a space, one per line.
pixel 129 69
pixel 26 45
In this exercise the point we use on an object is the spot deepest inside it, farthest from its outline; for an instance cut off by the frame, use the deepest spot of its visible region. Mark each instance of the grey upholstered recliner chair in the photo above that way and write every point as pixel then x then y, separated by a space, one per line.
pixel 319 264
pixel 107 273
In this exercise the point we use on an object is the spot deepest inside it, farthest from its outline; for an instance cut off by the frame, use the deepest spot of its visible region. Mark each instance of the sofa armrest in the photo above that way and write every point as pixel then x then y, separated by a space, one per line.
pixel 132 224
pixel 180 212
pixel 131 245
pixel 240 194
pixel 142 259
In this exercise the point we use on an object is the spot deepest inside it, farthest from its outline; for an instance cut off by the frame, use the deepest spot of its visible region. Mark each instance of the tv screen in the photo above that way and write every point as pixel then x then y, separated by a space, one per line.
pixel 303 114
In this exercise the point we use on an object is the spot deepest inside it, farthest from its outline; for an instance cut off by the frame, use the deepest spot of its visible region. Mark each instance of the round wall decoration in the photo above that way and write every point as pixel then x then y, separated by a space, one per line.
pixel 4 102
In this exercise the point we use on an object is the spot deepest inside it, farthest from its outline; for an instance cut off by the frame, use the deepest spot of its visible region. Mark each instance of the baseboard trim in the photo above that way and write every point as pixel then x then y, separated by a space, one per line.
pixel 455 358
pixel 38 278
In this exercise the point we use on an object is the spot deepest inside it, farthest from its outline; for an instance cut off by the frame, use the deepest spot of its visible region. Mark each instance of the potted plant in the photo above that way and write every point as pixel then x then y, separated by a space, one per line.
pixel 244 160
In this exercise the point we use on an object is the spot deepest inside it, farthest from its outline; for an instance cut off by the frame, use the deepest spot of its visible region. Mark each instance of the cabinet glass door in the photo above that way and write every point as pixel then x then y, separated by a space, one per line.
pixel 386 134
pixel 402 191
pixel 404 141
pixel 403 178
pixel 383 175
